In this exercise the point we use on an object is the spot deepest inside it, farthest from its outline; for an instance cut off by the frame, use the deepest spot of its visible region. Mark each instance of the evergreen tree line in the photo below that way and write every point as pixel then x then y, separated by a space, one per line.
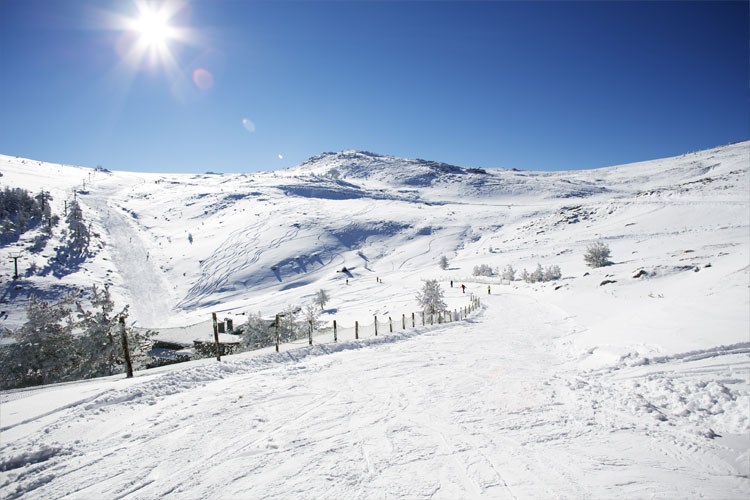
pixel 20 210
pixel 63 341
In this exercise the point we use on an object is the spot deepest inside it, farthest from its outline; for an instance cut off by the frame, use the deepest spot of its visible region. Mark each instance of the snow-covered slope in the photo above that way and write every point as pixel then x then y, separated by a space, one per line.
pixel 631 380
pixel 177 247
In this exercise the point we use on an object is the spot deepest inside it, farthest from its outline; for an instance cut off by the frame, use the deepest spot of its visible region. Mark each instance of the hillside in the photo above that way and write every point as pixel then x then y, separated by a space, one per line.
pixel 625 381
pixel 177 247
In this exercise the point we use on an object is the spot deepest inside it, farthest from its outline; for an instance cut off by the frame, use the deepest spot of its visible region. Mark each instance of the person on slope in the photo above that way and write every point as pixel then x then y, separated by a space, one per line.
pixel 463 288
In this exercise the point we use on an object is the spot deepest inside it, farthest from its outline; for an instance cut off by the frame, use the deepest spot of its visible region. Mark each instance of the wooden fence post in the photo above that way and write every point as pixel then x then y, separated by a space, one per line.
pixel 376 326
pixel 216 337
pixel 390 324
pixel 335 333
pixel 277 333
pixel 309 330
pixel 356 330
pixel 124 335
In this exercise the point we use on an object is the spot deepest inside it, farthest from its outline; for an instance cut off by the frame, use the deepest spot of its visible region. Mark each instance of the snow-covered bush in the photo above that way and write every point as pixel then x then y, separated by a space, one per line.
pixel 430 298
pixel 541 275
pixel 538 274
pixel 552 273
pixel 257 332
pixel 509 273
pixel 482 270
pixel 597 255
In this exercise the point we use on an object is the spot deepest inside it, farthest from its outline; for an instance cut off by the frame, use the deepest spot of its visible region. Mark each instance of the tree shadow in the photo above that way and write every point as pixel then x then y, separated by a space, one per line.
pixel 19 291
pixel 64 263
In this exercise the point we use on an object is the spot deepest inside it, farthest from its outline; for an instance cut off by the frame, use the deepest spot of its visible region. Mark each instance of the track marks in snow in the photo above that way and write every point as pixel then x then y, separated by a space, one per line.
pixel 491 407
pixel 150 294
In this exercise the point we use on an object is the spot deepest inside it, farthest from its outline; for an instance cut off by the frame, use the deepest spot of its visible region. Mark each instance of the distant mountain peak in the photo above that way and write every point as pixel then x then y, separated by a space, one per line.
pixel 358 164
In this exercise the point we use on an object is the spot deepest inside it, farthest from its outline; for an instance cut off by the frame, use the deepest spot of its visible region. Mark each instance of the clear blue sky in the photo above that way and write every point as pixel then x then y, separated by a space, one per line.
pixel 263 85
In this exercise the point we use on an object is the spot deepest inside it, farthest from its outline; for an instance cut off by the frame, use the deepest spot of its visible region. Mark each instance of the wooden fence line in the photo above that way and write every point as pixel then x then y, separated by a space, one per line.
pixel 428 319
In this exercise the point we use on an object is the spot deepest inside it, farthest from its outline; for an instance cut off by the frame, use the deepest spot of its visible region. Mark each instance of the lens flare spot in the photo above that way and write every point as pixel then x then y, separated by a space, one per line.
pixel 248 124
pixel 281 157
pixel 203 79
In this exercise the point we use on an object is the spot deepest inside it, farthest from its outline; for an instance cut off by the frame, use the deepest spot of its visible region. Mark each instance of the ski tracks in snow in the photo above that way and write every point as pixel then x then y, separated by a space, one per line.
pixel 149 293
pixel 492 407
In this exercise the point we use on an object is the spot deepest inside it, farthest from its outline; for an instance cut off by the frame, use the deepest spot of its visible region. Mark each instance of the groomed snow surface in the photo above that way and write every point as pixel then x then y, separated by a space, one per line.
pixel 626 381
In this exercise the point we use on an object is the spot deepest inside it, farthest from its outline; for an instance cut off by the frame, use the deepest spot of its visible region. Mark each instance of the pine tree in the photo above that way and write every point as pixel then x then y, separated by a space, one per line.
pixel 313 315
pixel 443 262
pixel 321 298
pixel 100 340
pixel 78 234
pixel 289 328
pixel 44 350
pixel 430 298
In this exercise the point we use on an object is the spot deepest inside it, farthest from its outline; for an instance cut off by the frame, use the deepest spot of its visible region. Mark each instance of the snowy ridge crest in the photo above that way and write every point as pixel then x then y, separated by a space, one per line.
pixel 364 165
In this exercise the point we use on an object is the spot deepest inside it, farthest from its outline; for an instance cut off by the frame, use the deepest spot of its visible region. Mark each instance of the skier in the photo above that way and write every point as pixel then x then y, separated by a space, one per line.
pixel 489 290
pixel 451 283
pixel 463 288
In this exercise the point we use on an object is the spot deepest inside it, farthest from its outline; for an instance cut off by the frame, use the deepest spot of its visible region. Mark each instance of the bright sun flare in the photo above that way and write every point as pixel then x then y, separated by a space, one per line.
pixel 153 28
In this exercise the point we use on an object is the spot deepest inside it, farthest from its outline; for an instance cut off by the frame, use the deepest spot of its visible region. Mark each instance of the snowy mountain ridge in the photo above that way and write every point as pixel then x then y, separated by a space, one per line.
pixel 209 240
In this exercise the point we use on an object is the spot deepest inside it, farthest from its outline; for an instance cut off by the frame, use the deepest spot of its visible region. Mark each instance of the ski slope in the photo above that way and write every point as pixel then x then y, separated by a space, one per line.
pixel 627 381
pixel 494 407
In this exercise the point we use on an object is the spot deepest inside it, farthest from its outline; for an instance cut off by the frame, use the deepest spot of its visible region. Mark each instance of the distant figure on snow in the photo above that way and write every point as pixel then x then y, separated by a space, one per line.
pixel 463 288
pixel 347 281
pixel 451 283
pixel 489 290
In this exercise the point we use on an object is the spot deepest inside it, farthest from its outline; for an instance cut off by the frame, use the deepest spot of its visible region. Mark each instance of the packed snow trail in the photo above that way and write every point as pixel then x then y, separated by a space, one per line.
pixel 491 407
pixel 149 294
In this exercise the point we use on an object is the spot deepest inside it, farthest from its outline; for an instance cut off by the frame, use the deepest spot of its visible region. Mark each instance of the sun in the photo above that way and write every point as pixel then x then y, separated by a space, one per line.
pixel 153 28
pixel 153 36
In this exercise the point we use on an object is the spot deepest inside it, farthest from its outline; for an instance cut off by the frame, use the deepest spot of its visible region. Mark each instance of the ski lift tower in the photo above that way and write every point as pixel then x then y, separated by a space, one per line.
pixel 15 257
